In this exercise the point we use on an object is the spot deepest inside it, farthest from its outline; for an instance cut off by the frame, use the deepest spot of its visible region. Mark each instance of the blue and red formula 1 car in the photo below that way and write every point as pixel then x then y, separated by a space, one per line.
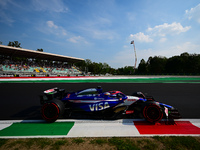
pixel 95 103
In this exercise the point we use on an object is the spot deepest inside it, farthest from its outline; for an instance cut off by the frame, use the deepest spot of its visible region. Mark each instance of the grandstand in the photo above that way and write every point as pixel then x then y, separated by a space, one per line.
pixel 24 62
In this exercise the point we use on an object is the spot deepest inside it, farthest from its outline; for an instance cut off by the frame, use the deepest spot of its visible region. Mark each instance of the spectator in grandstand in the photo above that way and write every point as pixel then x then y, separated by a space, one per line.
pixel 1 67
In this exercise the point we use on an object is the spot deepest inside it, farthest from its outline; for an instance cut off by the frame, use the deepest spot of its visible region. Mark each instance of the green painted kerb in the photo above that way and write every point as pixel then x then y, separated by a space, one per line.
pixel 37 129
pixel 115 80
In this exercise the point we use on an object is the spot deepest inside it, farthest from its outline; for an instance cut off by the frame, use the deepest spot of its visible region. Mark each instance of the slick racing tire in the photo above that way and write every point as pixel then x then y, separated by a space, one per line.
pixel 152 112
pixel 52 110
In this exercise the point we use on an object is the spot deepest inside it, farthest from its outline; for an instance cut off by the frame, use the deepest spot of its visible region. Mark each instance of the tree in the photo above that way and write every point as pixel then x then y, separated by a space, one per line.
pixel 14 44
pixel 88 62
pixel 173 65
pixel 40 50
pixel 95 68
pixel 142 68
pixel 157 64
pixel 180 64
pixel 105 68
pixel 81 65
pixel 89 66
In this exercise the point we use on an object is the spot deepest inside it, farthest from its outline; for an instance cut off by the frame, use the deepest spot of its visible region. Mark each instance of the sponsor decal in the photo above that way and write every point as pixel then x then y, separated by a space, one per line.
pixel 49 91
pixel 129 112
pixel 99 106
pixel 96 98
pixel 68 95
pixel 132 100
pixel 166 111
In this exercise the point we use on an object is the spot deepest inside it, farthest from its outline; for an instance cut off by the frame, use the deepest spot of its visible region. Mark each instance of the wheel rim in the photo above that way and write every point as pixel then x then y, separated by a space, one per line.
pixel 153 113
pixel 50 112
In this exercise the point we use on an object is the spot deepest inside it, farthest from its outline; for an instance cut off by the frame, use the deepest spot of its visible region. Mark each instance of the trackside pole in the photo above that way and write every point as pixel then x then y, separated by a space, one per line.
pixel 132 42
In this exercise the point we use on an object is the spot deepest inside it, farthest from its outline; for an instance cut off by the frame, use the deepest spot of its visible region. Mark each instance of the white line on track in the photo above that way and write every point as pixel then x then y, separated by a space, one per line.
pixel 80 78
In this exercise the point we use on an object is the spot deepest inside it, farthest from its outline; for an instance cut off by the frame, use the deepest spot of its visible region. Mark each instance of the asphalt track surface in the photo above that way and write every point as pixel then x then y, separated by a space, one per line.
pixel 21 100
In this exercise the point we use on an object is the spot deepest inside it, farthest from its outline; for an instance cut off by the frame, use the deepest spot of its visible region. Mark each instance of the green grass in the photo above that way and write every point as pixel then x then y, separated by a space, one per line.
pixel 42 142
pixel 58 144
pixel 2 142
pixel 179 142
pixel 98 141
pixel 78 140
pixel 147 144
pixel 123 144
pixel 119 143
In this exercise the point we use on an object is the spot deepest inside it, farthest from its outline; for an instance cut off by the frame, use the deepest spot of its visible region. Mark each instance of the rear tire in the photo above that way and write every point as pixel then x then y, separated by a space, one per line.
pixel 152 112
pixel 52 110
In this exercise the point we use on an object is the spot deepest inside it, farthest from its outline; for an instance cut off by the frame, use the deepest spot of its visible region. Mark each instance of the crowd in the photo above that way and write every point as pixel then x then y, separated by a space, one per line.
pixel 30 66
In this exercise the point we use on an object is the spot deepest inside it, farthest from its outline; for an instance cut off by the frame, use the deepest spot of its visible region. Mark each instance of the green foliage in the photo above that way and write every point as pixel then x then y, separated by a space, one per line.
pixel 58 144
pixel 78 140
pixel 151 143
pixel 41 142
pixel 103 68
pixel 142 68
pixel 127 70
pixel 14 143
pixel 14 44
pixel 185 64
pixel 3 141
pixel 93 67
pixel 123 144
pixel 179 142
pixel 40 50
pixel 98 141
pixel 147 144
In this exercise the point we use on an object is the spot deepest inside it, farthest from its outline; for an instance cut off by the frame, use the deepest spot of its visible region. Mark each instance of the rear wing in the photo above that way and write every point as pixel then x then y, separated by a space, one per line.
pixel 51 94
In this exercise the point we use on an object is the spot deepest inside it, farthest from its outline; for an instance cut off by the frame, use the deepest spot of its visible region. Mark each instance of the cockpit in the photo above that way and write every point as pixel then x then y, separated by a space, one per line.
pixel 97 92
pixel 88 91
pixel 92 91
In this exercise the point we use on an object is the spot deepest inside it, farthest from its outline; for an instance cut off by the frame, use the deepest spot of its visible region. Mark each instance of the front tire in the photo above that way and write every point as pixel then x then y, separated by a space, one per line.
pixel 152 112
pixel 52 110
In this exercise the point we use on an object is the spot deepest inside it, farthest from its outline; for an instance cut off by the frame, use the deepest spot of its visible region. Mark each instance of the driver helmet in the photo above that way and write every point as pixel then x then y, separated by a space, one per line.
pixel 107 93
